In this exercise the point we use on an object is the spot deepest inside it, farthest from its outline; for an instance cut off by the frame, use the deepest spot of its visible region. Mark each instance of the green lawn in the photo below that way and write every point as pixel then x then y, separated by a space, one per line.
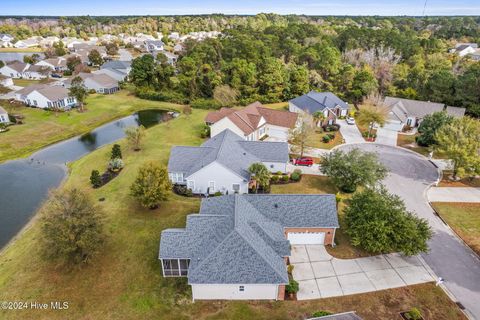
pixel 125 282
pixel 464 218
pixel 25 82
pixel 315 140
pixel 48 128
pixel 33 50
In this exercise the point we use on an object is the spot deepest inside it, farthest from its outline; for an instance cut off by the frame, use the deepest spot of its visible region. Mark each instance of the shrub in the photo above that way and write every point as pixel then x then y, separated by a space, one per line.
pixel 285 178
pixel 205 133
pixel 92 91
pixel 321 313
pixel 115 164
pixel 275 179
pixel 217 194
pixel 292 287
pixel 290 268
pixel 279 173
pixel 205 104
pixel 152 185
pixel 331 135
pixel 331 127
pixel 414 314
pixel 116 152
pixel 295 176
pixel 95 179
pixel 326 139
pixel 182 190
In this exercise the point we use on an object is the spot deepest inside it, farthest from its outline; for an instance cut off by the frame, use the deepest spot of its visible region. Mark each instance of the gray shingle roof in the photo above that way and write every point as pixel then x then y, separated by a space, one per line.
pixel 402 108
pixel 228 149
pixel 455 111
pixel 318 101
pixel 240 238
pixel 116 64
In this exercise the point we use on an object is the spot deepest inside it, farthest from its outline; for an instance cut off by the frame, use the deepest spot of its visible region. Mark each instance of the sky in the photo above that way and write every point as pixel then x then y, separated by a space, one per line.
pixel 180 7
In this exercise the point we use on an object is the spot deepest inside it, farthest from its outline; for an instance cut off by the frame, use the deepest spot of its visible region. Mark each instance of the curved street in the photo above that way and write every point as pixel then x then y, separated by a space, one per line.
pixel 449 258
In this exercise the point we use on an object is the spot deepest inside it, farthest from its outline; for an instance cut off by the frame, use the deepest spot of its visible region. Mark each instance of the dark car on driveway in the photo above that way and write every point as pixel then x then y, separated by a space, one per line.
pixel 304 161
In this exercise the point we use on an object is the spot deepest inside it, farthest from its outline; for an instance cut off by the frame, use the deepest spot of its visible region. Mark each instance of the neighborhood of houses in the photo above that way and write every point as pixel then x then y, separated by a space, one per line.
pixel 238 246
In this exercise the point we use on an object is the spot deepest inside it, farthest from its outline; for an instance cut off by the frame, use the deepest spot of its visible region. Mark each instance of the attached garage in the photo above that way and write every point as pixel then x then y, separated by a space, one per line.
pixel 306 238
pixel 277 132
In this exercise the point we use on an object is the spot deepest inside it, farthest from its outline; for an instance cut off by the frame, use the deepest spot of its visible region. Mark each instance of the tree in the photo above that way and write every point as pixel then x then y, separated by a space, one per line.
pixel 72 62
pixel 459 141
pixel 260 174
pixel 95 58
pixel 318 117
pixel 95 179
pixel 2 64
pixel 379 223
pixel 429 127
pixel 467 91
pixel 299 135
pixel 349 170
pixel 372 113
pixel 152 185
pixel 78 91
pixel 135 136
pixel 72 227
pixel 59 48
pixel 225 95
pixel 143 71
pixel 116 152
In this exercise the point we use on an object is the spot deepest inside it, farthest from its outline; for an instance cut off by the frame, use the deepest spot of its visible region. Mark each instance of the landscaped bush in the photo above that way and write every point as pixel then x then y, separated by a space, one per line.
pixel 96 179
pixel 326 139
pixel 274 179
pixel 331 127
pixel 115 165
pixel 414 314
pixel 92 91
pixel 116 152
pixel 285 178
pixel 205 104
pixel 217 194
pixel 292 287
pixel 296 175
pixel 331 135
pixel 321 313
pixel 205 133
pixel 182 190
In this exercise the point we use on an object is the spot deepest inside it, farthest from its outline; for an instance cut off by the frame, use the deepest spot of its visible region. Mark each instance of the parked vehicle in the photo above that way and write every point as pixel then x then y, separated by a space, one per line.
pixel 304 161
pixel 350 120
pixel 56 75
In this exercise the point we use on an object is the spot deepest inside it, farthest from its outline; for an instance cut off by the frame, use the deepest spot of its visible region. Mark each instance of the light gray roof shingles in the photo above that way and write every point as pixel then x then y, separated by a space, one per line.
pixel 240 238
pixel 318 101
pixel 404 108
pixel 228 149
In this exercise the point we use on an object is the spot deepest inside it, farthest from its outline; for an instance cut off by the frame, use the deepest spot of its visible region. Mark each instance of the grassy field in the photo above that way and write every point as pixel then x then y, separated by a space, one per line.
pixel 33 50
pixel 315 140
pixel 25 82
pixel 464 218
pixel 125 282
pixel 47 127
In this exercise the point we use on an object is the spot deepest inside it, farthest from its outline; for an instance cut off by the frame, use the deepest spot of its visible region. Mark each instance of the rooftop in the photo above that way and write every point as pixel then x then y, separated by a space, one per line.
pixel 240 238
pixel 318 101
pixel 402 108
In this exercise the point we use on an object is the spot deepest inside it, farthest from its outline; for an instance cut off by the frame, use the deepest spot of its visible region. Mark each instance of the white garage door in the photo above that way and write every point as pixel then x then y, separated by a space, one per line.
pixel 278 133
pixel 306 238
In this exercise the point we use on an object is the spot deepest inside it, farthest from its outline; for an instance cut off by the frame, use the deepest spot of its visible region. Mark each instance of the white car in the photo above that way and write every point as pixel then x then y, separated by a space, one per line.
pixel 350 120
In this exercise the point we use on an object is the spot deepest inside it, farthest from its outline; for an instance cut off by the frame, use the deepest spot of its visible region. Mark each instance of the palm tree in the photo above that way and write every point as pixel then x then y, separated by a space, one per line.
pixel 372 112
pixel 260 174
pixel 318 117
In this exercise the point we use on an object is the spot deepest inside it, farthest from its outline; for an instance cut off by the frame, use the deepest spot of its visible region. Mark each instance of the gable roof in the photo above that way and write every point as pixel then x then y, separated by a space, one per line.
pixel 17 66
pixel 102 79
pixel 116 64
pixel 31 88
pixel 318 101
pixel 228 149
pixel 248 118
pixel 455 111
pixel 3 111
pixel 240 238
pixel 53 93
pixel 403 108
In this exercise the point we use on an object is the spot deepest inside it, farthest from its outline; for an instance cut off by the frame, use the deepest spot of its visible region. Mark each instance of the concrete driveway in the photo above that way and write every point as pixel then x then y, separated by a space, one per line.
pixel 350 132
pixel 386 136
pixel 320 275
pixel 410 175
pixel 313 170
pixel 453 194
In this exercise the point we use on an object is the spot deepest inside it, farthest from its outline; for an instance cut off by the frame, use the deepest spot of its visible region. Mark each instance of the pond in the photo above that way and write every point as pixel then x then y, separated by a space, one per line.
pixel 24 183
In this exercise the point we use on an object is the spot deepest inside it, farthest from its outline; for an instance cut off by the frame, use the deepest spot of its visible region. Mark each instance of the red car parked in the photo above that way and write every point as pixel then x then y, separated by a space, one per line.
pixel 305 161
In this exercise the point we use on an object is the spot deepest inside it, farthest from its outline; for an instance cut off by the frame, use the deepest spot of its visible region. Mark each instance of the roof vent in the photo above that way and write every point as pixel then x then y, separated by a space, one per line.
pixel 275 205
pixel 244 153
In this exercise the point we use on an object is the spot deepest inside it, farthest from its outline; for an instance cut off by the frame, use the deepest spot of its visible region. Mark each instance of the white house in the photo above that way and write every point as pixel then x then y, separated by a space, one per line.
pixel 254 122
pixel 116 69
pixel 18 70
pixel 4 116
pixel 221 163
pixel 237 246
pixel 154 45
pixel 56 97
pixel 5 81
pixel 101 83
pixel 463 49
pixel 6 37
pixel 27 43
pixel 331 106
pixel 58 64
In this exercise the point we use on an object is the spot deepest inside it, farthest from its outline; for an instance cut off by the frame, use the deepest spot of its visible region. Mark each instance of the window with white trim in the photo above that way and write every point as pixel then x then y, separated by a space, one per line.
pixel 236 187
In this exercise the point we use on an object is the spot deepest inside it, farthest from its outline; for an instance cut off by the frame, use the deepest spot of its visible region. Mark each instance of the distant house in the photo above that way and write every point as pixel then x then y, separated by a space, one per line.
pixel 221 163
pixel 408 112
pixel 331 106
pixel 174 36
pixel 178 48
pixel 116 69
pixel 27 43
pixel 253 122
pixel 21 95
pixel 48 41
pixel 5 81
pixel 154 45
pixel 4 116
pixel 17 70
pixel 237 246
pixel 50 97
pixel 6 40
pixel 58 64
pixel 101 83
pixel 463 49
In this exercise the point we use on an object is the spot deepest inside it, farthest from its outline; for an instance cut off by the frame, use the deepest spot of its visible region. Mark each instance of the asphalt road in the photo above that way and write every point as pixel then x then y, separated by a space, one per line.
pixel 410 175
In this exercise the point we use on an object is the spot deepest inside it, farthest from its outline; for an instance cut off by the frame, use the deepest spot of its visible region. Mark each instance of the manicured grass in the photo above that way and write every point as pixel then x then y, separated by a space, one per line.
pixel 21 49
pixel 408 141
pixel 48 128
pixel 125 282
pixel 464 218
pixel 315 140
pixel 25 82
pixel 309 184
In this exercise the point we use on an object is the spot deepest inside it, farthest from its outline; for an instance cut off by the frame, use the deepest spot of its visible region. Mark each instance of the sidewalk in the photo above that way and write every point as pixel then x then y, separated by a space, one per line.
pixel 453 194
